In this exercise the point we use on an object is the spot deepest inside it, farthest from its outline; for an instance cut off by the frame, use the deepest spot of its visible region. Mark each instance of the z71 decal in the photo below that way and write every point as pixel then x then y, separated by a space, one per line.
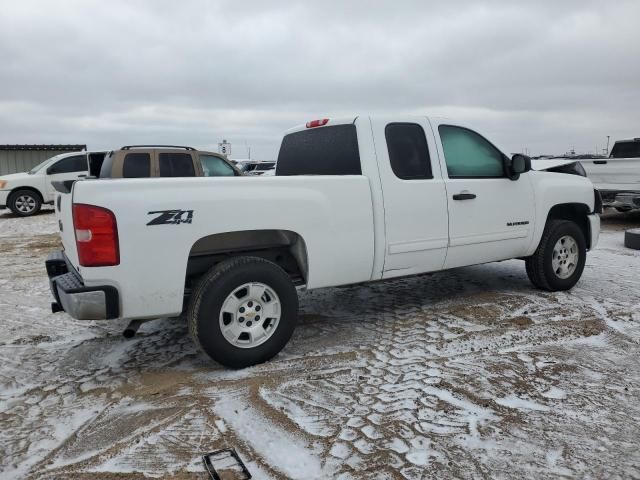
pixel 171 217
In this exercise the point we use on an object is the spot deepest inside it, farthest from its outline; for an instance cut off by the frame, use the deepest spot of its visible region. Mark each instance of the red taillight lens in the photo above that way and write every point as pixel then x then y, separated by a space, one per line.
pixel 317 123
pixel 96 236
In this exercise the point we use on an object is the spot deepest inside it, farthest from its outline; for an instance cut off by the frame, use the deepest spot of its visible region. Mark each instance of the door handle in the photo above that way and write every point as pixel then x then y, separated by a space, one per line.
pixel 464 196
pixel 600 162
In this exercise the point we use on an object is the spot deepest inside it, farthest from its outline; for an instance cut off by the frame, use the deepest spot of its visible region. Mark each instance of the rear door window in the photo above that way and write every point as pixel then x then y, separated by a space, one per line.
pixel 176 164
pixel 408 151
pixel 136 165
pixel 320 151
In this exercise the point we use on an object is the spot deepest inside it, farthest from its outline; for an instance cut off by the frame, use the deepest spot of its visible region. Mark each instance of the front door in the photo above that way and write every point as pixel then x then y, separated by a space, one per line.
pixel 68 168
pixel 415 203
pixel 490 216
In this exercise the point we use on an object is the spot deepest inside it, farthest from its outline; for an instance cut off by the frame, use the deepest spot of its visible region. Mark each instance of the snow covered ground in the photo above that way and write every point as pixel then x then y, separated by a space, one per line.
pixel 464 374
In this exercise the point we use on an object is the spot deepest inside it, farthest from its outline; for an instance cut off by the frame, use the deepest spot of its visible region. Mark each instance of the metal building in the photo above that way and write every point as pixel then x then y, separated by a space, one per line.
pixel 21 158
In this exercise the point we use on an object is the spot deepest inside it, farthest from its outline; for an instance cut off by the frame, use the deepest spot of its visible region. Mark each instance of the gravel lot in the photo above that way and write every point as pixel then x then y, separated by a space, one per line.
pixel 463 374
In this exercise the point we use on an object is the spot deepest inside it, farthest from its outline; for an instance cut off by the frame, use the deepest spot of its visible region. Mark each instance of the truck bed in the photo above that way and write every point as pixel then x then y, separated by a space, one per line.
pixel 331 214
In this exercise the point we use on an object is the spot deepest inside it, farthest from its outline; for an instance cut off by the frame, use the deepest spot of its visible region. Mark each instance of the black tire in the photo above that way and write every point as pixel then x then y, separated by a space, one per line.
pixel 211 292
pixel 24 203
pixel 632 238
pixel 539 266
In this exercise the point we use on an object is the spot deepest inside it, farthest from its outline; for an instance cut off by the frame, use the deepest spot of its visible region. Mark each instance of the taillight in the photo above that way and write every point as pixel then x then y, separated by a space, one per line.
pixel 96 236
pixel 317 123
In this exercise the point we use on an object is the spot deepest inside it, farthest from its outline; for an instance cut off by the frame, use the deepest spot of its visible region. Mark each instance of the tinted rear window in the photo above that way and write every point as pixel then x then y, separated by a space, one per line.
pixel 625 150
pixel 176 165
pixel 136 165
pixel 408 151
pixel 320 151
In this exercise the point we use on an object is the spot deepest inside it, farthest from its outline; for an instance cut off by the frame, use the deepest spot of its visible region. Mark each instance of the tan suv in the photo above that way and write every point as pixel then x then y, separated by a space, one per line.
pixel 142 161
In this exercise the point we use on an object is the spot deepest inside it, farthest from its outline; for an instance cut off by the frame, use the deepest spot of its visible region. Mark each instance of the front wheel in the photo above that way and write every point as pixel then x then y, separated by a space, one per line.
pixel 558 262
pixel 243 311
pixel 24 203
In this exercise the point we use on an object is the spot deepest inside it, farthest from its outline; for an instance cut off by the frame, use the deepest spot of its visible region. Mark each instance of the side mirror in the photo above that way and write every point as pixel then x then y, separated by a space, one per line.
pixel 518 165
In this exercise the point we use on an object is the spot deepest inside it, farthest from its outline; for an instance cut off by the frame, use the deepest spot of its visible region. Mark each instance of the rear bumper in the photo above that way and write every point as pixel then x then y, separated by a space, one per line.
pixel 71 295
pixel 594 230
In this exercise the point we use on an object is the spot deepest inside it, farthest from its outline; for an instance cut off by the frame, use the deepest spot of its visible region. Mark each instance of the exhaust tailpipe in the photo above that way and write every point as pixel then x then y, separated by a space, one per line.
pixel 132 328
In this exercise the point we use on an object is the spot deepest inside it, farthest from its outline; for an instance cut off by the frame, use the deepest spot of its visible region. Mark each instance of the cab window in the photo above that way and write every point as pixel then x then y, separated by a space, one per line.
pixel 408 151
pixel 469 155
pixel 213 166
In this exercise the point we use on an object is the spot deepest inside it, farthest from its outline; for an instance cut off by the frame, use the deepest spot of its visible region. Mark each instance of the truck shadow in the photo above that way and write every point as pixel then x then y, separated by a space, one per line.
pixel 344 318
pixel 9 214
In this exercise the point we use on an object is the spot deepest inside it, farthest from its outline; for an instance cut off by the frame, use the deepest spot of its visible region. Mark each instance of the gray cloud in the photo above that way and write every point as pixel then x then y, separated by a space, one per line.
pixel 546 76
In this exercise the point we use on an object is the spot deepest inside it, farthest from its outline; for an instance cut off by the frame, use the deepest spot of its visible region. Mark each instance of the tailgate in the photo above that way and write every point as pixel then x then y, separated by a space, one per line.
pixel 64 216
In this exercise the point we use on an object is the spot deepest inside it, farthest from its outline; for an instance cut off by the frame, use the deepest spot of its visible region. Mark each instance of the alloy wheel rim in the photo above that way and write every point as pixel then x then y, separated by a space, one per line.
pixel 565 257
pixel 250 315
pixel 25 203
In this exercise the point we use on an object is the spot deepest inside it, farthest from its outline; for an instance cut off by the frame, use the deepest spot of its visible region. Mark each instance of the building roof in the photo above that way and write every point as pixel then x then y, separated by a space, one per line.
pixel 48 148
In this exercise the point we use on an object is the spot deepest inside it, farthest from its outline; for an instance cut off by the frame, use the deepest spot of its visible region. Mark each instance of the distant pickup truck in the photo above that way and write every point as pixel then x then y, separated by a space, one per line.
pixel 353 200
pixel 618 177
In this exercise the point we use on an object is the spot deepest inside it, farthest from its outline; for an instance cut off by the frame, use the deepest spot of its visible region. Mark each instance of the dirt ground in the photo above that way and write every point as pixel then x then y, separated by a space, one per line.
pixel 469 373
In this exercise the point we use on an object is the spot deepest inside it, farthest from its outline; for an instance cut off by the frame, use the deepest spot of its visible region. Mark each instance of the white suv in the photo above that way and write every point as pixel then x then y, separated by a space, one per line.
pixel 24 193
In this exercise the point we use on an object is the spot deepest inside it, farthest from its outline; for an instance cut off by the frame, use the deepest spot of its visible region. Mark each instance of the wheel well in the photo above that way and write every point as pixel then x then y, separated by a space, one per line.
pixel 282 247
pixel 576 212
pixel 35 190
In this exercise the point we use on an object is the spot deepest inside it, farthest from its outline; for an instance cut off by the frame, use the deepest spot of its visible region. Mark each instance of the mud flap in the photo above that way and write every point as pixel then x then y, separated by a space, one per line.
pixel 225 460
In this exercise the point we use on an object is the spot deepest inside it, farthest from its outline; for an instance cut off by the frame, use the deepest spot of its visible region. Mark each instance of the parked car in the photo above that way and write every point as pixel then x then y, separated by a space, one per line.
pixel 143 161
pixel 24 193
pixel 353 200
pixel 255 168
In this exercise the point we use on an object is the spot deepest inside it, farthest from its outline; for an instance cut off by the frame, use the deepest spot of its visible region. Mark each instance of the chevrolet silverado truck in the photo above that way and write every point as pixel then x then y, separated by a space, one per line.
pixel 353 200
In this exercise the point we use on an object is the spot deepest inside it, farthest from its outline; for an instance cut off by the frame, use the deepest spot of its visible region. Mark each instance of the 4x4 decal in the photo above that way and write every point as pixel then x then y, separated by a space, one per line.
pixel 171 217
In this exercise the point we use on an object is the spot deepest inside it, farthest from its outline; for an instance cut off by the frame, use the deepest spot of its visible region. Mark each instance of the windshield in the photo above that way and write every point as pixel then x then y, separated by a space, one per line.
pixel 40 165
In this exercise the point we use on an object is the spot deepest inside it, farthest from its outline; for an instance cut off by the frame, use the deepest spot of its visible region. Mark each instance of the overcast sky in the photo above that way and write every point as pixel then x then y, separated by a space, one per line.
pixel 545 75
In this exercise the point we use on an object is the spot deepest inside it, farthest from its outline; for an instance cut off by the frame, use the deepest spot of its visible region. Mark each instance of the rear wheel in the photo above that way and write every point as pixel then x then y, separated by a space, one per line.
pixel 243 311
pixel 559 260
pixel 24 203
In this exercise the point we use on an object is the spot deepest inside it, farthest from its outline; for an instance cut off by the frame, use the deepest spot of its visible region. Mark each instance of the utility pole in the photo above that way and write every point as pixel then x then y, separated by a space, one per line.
pixel 607 152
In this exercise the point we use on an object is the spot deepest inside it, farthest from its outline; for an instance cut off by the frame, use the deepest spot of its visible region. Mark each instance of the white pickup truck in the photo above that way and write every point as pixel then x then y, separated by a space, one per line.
pixel 353 200
pixel 618 177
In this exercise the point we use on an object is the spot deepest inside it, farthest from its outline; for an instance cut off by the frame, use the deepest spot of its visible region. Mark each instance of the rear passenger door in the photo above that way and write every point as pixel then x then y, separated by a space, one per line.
pixel 415 203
